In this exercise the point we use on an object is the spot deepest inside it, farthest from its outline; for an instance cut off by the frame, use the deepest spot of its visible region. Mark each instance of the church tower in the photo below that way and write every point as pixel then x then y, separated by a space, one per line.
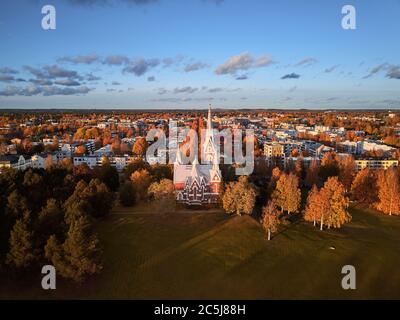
pixel 209 147
pixel 195 183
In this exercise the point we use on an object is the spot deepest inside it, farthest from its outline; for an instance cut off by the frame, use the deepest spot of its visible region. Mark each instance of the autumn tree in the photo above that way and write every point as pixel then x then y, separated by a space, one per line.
pixel 312 212
pixel 163 193
pixel 134 165
pixel 333 194
pixel 363 189
pixel 287 194
pixel 275 175
pixel 347 168
pixel 298 167
pixel 312 174
pixel 140 146
pixel 239 197
pixel 80 150
pixel 48 163
pixel 141 180
pixel 388 192
pixel 270 218
pixel 329 166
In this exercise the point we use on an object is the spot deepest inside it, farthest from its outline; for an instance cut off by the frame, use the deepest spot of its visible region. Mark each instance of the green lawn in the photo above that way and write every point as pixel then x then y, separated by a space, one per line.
pixel 207 254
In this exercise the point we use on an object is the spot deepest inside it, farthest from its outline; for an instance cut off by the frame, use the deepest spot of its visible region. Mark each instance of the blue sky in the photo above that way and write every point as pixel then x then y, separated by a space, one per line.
pixel 188 53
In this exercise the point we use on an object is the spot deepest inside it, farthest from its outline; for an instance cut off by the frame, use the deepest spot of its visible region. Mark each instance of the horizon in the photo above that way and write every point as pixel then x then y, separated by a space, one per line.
pixel 204 109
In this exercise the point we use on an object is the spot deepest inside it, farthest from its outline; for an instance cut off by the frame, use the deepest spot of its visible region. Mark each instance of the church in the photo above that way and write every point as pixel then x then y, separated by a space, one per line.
pixel 195 183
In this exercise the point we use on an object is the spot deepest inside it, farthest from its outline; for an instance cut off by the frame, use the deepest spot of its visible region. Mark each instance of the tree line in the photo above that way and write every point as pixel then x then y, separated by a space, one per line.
pixel 319 193
pixel 47 216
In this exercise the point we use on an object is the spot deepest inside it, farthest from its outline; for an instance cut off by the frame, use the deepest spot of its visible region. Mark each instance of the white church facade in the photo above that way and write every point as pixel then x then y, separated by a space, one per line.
pixel 195 183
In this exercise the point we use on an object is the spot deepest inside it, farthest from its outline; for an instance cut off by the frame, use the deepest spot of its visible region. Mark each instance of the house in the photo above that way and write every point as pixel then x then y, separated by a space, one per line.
pixel 38 160
pixel 18 162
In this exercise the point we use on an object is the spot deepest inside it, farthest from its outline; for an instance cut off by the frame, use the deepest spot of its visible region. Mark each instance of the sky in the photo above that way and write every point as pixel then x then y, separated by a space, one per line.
pixel 185 54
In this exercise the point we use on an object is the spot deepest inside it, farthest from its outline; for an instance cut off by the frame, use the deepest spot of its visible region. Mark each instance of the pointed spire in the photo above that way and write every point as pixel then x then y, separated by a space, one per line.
pixel 209 122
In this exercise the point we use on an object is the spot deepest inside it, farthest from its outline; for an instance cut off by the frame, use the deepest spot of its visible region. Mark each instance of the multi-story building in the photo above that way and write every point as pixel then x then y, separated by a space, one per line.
pixel 376 164
pixel 274 153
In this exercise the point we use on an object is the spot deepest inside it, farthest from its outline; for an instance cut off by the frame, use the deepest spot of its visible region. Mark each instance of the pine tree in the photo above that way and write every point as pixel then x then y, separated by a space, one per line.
pixel 80 254
pixel 21 254
pixel 50 221
pixel 270 218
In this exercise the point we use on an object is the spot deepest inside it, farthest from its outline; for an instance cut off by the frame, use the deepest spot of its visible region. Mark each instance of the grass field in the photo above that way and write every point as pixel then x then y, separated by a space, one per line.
pixel 207 254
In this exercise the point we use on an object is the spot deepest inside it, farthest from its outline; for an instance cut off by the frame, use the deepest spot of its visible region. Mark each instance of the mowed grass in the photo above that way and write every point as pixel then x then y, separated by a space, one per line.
pixel 208 255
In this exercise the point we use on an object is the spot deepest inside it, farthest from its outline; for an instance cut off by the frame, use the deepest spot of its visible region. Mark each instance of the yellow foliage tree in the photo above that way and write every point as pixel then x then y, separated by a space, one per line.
pixel 239 197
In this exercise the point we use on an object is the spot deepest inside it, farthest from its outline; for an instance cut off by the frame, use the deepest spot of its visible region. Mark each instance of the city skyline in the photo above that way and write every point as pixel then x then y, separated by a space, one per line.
pixel 162 54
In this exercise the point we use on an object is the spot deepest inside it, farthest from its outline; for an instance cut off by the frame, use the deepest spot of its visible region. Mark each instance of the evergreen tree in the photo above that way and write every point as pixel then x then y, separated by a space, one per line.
pixel 50 221
pixel 21 254
pixel 108 175
pixel 80 255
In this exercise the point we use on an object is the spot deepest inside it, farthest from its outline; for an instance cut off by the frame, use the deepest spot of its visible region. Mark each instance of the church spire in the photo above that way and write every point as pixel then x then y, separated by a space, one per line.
pixel 209 122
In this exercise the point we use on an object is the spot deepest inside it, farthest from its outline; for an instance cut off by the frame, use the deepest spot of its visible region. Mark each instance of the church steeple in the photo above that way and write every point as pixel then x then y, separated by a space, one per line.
pixel 209 148
pixel 209 122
